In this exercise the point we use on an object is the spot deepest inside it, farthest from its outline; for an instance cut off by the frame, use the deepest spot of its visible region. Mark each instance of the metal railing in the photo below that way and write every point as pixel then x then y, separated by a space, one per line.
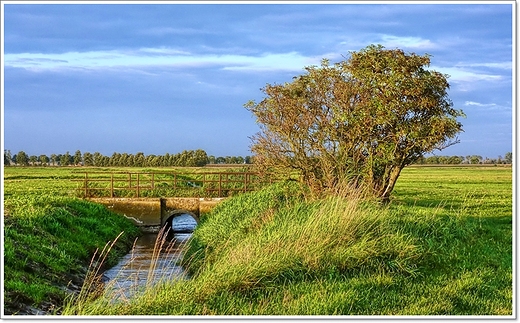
pixel 133 184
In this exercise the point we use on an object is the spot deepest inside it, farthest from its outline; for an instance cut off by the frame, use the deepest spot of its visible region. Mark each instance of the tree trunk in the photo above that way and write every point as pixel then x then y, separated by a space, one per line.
pixel 394 175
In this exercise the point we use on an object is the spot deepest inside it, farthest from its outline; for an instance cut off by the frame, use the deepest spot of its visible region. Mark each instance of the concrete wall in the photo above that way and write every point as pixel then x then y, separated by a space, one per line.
pixel 149 212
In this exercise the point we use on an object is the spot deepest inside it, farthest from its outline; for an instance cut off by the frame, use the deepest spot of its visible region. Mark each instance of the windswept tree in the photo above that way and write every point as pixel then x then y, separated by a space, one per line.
pixel 361 120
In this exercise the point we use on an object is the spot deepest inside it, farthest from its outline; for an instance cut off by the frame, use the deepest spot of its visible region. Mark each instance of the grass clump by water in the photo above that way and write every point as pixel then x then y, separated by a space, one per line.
pixel 49 242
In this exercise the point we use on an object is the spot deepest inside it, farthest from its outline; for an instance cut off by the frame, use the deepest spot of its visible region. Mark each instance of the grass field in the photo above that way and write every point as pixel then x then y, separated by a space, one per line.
pixel 443 246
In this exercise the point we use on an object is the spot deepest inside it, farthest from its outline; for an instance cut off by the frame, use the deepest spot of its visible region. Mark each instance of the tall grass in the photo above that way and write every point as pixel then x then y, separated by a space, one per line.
pixel 284 242
pixel 48 243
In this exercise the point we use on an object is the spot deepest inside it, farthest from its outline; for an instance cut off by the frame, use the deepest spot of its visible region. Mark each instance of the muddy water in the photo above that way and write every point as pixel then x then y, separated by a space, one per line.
pixel 151 260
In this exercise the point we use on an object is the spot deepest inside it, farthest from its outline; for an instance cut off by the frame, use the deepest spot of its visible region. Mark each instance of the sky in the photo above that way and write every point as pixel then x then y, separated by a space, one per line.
pixel 171 76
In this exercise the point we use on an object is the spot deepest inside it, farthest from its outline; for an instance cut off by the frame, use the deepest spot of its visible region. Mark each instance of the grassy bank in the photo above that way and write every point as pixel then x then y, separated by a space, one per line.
pixel 442 247
pixel 49 241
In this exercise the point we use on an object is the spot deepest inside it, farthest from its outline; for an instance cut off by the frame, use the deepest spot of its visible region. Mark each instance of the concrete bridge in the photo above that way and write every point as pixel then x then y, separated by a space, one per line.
pixel 151 214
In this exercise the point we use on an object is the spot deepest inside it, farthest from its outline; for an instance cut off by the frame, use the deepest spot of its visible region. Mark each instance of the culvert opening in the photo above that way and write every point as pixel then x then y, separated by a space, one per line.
pixel 180 223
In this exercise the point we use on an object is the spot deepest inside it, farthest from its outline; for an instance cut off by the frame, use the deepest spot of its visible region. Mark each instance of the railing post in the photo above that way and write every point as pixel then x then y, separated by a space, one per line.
pixel 204 194
pixel 220 185
pixel 86 184
pixel 137 190
pixel 153 185
pixel 245 182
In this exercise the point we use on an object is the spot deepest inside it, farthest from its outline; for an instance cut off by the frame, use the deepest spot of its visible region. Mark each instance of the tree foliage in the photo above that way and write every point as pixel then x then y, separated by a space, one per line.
pixel 360 120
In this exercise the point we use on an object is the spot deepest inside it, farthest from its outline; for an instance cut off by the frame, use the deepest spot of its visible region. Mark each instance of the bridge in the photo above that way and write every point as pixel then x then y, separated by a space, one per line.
pixel 153 199
pixel 151 214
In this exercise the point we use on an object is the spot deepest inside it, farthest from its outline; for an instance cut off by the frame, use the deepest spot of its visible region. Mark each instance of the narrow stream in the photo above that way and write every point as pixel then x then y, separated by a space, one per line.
pixel 150 261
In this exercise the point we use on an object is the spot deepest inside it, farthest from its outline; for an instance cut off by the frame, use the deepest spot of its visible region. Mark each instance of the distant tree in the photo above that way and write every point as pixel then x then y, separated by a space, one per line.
pixel 7 157
pixel 115 159
pixel 139 160
pixel 166 160
pixel 475 159
pixel 44 160
pixel 33 159
pixel 454 160
pixel 88 159
pixel 22 158
pixel 508 158
pixel 97 159
pixel 125 160
pixel 221 160
pixel 361 120
pixel 247 159
pixel 65 159
pixel 443 160
pixel 54 159
pixel 212 159
pixel 77 158
pixel 432 160
pixel 201 158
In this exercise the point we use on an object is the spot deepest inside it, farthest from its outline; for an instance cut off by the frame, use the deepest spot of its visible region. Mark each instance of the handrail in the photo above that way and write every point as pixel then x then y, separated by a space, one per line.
pixel 206 184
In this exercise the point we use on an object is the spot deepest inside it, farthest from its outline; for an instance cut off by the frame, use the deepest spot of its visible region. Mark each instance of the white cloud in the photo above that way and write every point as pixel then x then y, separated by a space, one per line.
pixel 391 41
pixel 487 106
pixel 479 104
pixel 150 57
pixel 498 65
pixel 458 74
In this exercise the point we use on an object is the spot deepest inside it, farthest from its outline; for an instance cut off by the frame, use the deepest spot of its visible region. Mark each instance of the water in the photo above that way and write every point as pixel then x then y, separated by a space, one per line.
pixel 145 265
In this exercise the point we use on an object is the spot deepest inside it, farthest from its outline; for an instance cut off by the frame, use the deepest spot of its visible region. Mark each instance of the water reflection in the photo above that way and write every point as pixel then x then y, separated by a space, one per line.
pixel 151 260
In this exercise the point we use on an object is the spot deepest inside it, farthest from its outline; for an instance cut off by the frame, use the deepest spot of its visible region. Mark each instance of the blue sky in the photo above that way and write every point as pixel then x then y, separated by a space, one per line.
pixel 167 77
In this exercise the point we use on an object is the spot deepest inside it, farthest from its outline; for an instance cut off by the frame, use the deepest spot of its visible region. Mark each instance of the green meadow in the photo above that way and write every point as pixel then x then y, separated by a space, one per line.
pixel 443 246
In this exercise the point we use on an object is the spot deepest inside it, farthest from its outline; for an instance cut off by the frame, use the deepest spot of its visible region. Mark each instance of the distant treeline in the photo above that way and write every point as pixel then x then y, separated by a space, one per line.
pixel 193 158
pixel 473 159
pixel 187 158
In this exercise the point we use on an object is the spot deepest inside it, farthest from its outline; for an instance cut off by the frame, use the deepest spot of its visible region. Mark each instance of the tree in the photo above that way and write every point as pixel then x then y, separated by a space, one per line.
pixel 22 158
pixel 65 159
pixel 33 159
pixel 97 159
pixel 475 159
pixel 508 158
pixel 54 159
pixel 361 120
pixel 200 157
pixel 139 160
pixel 77 158
pixel 88 160
pixel 7 157
pixel 44 160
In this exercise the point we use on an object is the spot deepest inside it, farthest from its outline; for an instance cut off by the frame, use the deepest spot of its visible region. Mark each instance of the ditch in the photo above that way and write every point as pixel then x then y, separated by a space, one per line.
pixel 150 261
